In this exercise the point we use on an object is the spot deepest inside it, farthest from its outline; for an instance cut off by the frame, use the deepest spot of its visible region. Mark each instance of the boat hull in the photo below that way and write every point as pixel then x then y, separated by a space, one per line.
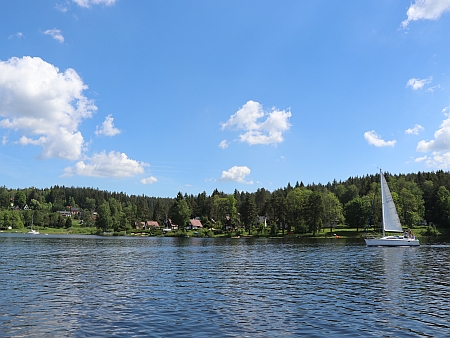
pixel 392 241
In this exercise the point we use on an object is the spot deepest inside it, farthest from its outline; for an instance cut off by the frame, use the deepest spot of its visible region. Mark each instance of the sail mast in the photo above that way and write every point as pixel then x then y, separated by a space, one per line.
pixel 382 201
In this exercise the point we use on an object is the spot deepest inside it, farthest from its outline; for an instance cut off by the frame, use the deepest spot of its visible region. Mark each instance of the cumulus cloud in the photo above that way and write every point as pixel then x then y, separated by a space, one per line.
pixel 441 140
pixel 236 174
pixel 149 180
pixel 223 144
pixel 416 84
pixel 55 34
pixel 45 105
pixel 414 131
pixel 113 164
pixel 268 131
pixel 374 139
pixel 437 160
pixel 426 10
pixel 439 147
pixel 107 128
pixel 26 141
pixel 89 3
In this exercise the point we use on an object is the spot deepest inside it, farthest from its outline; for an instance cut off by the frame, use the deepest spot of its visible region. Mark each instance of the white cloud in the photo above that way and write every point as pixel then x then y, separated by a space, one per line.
pixel 223 144
pixel 18 35
pixel 89 3
pixel 441 140
pixel 107 128
pixel 62 8
pixel 113 164
pixel 416 84
pixel 432 89
pixel 426 10
pixel 414 131
pixel 236 174
pixel 45 105
pixel 437 160
pixel 55 34
pixel 373 138
pixel 25 141
pixel 269 131
pixel 421 159
pixel 439 147
pixel 149 180
pixel 4 140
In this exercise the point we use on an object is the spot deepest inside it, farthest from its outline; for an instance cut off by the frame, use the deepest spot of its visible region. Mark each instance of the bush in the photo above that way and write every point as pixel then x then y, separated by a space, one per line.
pixel 178 233
pixel 430 231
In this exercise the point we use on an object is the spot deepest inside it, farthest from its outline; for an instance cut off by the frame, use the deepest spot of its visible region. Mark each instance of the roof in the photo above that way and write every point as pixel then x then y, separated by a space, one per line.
pixel 196 223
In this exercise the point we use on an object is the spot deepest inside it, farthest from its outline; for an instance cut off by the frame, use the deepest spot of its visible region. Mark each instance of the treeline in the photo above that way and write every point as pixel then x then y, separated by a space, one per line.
pixel 421 198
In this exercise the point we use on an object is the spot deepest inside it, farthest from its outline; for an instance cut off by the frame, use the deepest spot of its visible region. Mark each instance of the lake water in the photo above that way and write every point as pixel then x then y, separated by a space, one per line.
pixel 82 286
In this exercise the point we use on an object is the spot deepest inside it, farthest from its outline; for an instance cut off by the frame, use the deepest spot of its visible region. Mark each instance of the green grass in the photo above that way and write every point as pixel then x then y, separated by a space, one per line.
pixel 340 232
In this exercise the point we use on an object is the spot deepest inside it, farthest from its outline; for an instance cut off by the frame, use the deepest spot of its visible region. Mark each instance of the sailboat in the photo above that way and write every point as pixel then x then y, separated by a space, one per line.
pixel 391 222
pixel 32 231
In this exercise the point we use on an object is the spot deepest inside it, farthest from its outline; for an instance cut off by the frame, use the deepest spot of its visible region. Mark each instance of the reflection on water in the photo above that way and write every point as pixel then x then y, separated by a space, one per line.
pixel 93 286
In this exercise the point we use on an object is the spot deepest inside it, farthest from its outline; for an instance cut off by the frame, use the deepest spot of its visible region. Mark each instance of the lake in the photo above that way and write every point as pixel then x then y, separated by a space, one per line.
pixel 82 286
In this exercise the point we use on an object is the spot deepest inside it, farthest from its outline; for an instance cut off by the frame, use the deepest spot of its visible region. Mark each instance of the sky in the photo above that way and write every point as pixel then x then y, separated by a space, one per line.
pixel 165 96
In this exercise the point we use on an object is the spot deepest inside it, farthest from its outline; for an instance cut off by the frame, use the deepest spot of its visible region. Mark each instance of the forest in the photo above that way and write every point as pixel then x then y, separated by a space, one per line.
pixel 421 198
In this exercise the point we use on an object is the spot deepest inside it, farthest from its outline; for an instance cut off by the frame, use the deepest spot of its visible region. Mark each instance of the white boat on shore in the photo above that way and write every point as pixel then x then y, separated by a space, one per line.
pixel 391 222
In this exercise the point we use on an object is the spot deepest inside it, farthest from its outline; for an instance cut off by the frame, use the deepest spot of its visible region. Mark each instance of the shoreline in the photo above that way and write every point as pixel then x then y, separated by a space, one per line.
pixel 338 234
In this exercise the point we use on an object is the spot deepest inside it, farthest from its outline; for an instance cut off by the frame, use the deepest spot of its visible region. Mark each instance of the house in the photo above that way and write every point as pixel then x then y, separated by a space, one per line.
pixel 146 225
pixel 262 220
pixel 74 211
pixel 65 213
pixel 168 225
pixel 228 223
pixel 194 224
pixel 152 224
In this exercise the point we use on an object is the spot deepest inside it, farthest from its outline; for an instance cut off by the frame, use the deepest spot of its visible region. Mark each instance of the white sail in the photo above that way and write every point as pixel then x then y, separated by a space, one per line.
pixel 391 221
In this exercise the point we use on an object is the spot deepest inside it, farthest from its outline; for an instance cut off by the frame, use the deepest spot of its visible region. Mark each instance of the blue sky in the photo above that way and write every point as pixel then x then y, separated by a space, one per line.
pixel 156 97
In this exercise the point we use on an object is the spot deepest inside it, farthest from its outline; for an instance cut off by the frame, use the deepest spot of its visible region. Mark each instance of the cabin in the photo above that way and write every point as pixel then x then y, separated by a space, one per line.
pixel 261 220
pixel 194 224
pixel 146 225
pixel 65 213
pixel 75 211
pixel 169 226
pixel 153 224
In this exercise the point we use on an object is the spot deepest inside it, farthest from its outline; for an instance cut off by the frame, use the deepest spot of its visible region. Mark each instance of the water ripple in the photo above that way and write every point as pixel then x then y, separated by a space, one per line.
pixel 83 286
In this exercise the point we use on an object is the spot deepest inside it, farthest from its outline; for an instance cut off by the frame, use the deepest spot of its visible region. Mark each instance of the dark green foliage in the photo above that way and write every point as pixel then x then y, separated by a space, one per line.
pixel 68 223
pixel 180 213
pixel 20 199
pixel 357 212
pixel 248 212
pixel 5 202
pixel 424 195
pixel 104 221
pixel 314 212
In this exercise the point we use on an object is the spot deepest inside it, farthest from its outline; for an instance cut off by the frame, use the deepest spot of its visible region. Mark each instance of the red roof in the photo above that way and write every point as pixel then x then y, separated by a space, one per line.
pixel 196 223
